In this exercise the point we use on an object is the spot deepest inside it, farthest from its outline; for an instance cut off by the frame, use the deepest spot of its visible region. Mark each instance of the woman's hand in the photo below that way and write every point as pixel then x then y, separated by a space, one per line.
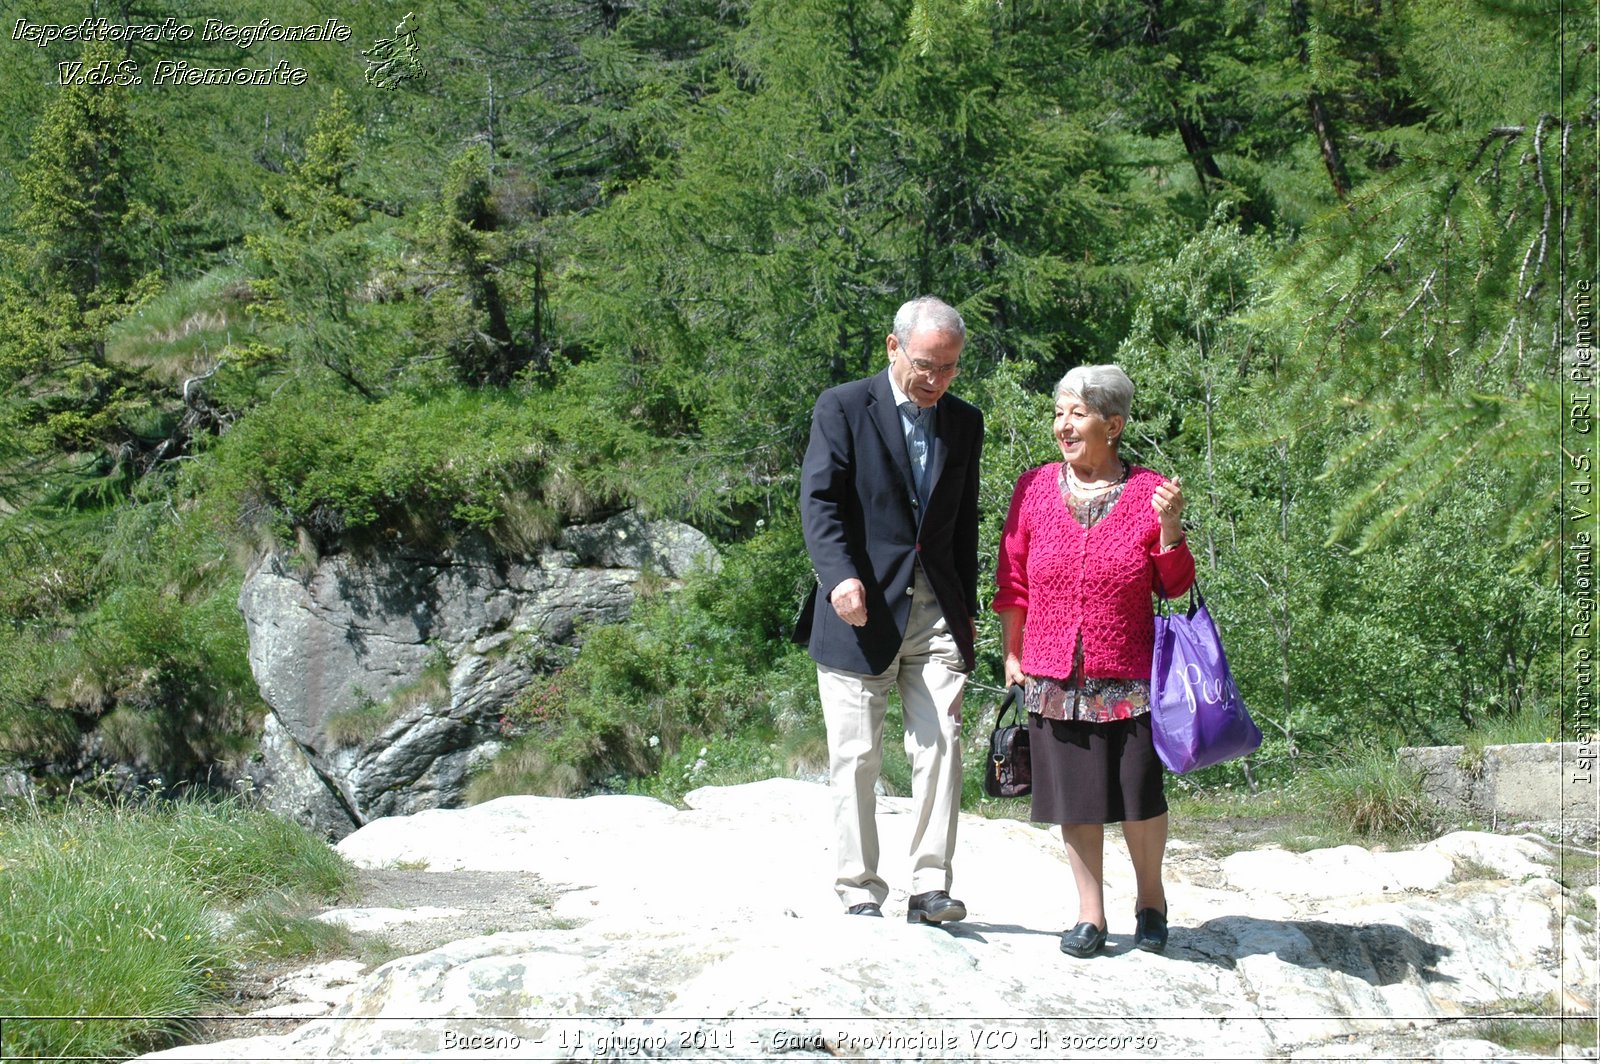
pixel 1168 503
pixel 1011 623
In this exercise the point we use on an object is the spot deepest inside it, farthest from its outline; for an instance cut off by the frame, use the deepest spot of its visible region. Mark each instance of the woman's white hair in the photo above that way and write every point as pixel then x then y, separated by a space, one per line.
pixel 1104 389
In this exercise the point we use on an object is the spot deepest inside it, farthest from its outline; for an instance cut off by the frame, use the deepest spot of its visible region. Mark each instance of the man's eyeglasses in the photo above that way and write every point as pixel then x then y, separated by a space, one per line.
pixel 928 369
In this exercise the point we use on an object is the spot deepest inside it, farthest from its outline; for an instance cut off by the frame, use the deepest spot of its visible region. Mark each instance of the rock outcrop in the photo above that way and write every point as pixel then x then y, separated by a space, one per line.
pixel 712 933
pixel 387 675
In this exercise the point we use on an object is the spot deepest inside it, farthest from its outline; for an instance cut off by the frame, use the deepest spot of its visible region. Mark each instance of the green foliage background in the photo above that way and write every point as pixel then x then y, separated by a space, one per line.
pixel 605 255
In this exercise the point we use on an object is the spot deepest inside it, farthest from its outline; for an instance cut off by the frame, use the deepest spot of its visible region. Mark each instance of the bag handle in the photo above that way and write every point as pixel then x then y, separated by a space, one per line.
pixel 1013 702
pixel 1164 606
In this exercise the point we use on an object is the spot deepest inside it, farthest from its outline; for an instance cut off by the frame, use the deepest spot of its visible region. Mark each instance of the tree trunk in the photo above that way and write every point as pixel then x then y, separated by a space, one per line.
pixel 1320 122
pixel 1194 140
pixel 1330 150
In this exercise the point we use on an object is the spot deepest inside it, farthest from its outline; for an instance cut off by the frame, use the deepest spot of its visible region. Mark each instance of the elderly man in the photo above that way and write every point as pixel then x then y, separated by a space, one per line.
pixel 889 504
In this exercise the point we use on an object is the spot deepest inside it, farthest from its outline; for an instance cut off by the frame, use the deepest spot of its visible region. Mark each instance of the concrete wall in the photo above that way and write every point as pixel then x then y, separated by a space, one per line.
pixel 1524 782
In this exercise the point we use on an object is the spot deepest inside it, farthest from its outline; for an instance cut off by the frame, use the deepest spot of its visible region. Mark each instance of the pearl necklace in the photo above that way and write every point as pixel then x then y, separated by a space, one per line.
pixel 1083 491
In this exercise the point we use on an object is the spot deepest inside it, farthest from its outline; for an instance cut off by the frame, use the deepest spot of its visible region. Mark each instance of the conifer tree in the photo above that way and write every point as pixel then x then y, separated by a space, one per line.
pixel 835 171
pixel 307 269
pixel 468 305
pixel 81 261
pixel 1430 313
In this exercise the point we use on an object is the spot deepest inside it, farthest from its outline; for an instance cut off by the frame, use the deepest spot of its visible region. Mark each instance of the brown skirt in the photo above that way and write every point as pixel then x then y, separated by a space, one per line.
pixel 1095 773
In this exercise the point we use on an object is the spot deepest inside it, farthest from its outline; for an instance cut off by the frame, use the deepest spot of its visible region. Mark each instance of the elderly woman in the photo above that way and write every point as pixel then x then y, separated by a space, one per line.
pixel 1085 543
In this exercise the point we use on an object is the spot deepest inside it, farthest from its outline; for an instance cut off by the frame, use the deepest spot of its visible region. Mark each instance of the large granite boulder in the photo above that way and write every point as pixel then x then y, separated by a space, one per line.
pixel 712 933
pixel 387 675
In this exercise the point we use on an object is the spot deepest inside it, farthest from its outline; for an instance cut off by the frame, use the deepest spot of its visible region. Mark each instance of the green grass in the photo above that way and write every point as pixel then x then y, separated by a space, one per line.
pixel 184 330
pixel 86 936
pixel 1531 725
pixel 367 719
pixel 1470 871
pixel 1370 796
pixel 525 767
pixel 114 912
pixel 1227 818
pixel 239 852
pixel 1542 1030
pixel 278 928
pixel 1539 1036
pixel 1229 802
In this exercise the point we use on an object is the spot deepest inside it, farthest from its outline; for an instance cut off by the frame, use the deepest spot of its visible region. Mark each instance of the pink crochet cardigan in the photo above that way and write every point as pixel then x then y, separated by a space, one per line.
pixel 1097 581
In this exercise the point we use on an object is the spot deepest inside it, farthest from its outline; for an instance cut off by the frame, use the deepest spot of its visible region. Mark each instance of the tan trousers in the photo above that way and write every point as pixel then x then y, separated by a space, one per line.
pixel 928 671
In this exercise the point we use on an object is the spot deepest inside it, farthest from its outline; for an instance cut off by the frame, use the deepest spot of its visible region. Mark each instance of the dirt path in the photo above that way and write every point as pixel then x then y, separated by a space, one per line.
pixel 481 903
pixel 486 903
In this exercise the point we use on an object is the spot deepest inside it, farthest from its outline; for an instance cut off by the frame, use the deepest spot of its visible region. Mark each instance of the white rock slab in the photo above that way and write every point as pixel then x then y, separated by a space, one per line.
pixel 1511 857
pixel 713 933
pixel 329 983
pixel 1341 871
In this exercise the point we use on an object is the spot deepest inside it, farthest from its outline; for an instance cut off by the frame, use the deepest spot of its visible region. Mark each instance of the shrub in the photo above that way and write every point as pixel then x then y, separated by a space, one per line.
pixel 1372 794
pixel 145 638
pixel 688 667
pixel 423 464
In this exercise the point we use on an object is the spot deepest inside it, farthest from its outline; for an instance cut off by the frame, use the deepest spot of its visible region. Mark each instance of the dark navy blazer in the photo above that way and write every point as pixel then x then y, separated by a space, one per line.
pixel 859 511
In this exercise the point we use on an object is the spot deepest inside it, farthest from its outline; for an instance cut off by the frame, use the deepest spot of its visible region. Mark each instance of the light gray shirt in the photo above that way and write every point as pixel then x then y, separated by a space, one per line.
pixel 920 434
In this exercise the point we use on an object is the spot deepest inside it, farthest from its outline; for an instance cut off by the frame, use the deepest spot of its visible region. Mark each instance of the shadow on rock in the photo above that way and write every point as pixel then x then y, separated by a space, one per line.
pixel 1380 954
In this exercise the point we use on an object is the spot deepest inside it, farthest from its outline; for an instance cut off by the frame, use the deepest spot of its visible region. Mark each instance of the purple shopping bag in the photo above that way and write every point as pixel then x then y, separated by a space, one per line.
pixel 1196 712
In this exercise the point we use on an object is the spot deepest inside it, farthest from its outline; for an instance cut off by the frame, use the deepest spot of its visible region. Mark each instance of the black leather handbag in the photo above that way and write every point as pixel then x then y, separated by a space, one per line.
pixel 1007 773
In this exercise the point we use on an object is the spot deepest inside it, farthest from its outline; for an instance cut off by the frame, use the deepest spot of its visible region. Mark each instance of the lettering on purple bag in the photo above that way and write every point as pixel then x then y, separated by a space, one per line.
pixel 1194 680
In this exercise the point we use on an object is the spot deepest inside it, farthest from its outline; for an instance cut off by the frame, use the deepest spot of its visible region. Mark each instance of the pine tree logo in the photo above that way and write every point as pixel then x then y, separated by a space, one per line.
pixel 392 60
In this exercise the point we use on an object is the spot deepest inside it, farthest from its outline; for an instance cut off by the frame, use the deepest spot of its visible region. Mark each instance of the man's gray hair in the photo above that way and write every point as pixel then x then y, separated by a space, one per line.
pixel 1104 389
pixel 930 312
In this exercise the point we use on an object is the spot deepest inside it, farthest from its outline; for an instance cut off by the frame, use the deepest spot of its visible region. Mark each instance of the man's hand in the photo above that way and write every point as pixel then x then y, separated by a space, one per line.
pixel 850 602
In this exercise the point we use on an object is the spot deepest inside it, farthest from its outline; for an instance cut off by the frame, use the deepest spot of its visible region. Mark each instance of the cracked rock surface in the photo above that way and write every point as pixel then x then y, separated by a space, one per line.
pixel 431 647
pixel 712 933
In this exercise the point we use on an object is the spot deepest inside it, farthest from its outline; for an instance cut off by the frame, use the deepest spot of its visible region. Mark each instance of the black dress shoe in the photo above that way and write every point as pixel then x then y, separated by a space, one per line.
pixel 866 908
pixel 1085 940
pixel 1150 930
pixel 934 907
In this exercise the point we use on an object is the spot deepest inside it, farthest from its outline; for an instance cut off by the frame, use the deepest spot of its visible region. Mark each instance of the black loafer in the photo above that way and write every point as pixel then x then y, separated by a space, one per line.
pixel 934 907
pixel 1085 940
pixel 1150 930
pixel 866 908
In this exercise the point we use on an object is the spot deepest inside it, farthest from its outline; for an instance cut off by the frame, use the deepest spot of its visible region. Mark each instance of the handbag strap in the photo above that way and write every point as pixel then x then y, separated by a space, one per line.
pixel 1013 702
